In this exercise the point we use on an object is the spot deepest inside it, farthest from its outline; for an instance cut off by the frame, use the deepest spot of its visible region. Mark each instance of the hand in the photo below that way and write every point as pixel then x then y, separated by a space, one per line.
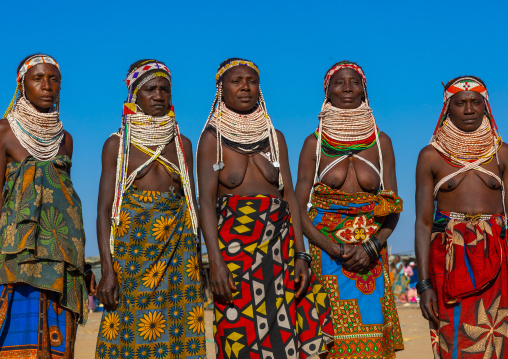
pixel 334 251
pixel 428 305
pixel 302 276
pixel 107 291
pixel 221 281
pixel 356 259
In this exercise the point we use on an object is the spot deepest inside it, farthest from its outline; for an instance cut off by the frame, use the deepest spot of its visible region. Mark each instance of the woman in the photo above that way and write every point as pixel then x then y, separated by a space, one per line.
pixel 350 167
pixel 259 273
pixel 460 228
pixel 399 280
pixel 150 257
pixel 42 286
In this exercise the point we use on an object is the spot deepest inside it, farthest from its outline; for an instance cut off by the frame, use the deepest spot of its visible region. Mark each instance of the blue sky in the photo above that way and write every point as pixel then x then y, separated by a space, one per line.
pixel 406 49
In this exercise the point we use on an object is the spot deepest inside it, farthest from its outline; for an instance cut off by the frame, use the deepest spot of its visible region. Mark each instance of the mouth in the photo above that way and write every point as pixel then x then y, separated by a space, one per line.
pixel 348 99
pixel 245 99
pixel 46 98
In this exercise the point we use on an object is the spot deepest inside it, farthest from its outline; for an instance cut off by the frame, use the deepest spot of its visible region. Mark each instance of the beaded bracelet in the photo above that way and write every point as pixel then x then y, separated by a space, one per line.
pixel 305 256
pixel 423 286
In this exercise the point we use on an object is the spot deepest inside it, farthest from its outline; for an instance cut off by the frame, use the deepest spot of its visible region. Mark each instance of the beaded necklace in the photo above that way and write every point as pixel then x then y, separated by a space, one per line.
pixel 39 133
pixel 345 130
pixel 459 147
pixel 246 134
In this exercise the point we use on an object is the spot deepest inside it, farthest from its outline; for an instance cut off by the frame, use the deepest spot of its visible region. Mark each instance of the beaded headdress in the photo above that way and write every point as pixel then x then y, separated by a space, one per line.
pixel 147 128
pixel 219 114
pixel 464 83
pixel 343 132
pixel 27 65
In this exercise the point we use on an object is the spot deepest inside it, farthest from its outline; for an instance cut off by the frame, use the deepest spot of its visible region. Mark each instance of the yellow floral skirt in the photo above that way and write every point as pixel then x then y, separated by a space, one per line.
pixel 161 312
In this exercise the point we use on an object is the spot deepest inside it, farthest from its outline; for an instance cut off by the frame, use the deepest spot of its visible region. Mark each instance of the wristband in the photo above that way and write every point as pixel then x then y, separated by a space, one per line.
pixel 423 286
pixel 369 248
pixel 305 256
pixel 377 244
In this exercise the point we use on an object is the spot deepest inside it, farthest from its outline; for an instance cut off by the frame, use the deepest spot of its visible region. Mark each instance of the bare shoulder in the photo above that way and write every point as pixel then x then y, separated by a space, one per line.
pixel 207 140
pixel 280 136
pixel 428 155
pixel 384 139
pixel 67 136
pixel 111 145
pixel 187 144
pixel 310 140
pixel 5 127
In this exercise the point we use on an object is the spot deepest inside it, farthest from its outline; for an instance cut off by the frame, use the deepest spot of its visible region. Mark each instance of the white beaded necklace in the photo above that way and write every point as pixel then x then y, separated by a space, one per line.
pixel 151 131
pixel 39 133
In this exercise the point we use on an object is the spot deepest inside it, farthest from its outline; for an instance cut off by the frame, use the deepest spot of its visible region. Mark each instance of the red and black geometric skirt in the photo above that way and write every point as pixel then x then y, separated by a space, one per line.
pixel 266 320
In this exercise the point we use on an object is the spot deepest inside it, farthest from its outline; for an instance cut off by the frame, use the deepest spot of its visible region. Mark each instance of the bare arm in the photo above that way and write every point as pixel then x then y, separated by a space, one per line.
pixel 301 267
pixel 107 291
pixel 306 168
pixel 424 200
pixel 390 182
pixel 221 279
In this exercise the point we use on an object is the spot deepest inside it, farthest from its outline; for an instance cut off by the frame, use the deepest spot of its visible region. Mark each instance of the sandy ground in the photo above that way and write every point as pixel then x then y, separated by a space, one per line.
pixel 414 329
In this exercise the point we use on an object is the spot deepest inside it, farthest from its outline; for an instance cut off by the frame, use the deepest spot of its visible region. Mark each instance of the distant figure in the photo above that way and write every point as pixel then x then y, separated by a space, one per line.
pixel 349 166
pixel 42 286
pixel 399 280
pixel 460 236
pixel 150 252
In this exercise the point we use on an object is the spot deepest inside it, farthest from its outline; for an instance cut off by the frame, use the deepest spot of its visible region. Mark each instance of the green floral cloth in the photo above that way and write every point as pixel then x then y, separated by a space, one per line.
pixel 41 231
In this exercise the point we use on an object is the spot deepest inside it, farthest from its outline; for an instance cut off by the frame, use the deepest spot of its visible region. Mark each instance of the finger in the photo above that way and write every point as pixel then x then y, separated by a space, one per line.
pixel 116 294
pixel 228 295
pixel 297 274
pixel 433 306
pixel 231 283
pixel 424 313
pixel 299 292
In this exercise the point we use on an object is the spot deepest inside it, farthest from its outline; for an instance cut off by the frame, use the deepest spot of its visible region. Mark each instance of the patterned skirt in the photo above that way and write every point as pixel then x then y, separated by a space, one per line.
pixel 160 313
pixel 33 325
pixel 266 320
pixel 469 272
pixel 365 319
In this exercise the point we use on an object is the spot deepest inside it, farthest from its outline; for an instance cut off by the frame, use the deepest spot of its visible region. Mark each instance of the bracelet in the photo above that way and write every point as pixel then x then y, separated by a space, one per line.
pixel 305 256
pixel 423 286
pixel 369 248
pixel 377 244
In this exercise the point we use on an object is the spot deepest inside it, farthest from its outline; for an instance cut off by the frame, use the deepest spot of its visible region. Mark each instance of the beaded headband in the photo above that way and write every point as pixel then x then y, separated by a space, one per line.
pixel 343 65
pixel 161 70
pixel 235 63
pixel 465 84
pixel 35 60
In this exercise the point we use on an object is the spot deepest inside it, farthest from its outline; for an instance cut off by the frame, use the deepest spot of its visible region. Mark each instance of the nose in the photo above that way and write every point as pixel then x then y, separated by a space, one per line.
pixel 347 87
pixel 469 108
pixel 245 85
pixel 157 96
pixel 45 85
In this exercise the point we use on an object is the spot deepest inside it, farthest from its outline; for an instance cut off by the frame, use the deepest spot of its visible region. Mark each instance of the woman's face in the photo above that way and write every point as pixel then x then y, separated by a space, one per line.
pixel 240 89
pixel 154 97
pixel 42 86
pixel 466 110
pixel 346 89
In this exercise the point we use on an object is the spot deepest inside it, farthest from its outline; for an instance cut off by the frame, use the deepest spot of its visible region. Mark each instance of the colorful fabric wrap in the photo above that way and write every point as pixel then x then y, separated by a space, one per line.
pixel 469 272
pixel 41 231
pixel 266 320
pixel 365 318
pixel 34 325
pixel 234 63
pixel 160 313
pixel 344 65
pixel 465 83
